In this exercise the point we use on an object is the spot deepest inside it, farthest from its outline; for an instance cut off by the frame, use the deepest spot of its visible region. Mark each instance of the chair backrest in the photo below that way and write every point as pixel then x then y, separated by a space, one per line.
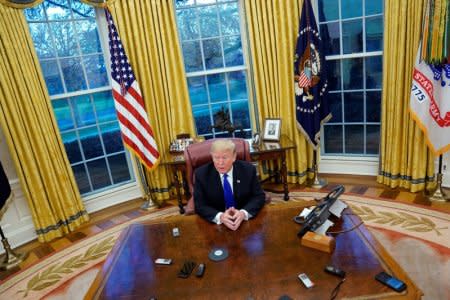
pixel 199 154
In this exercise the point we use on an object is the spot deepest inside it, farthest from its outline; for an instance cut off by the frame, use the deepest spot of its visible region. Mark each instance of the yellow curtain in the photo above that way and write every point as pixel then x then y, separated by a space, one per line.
pixel 149 34
pixel 405 160
pixel 272 29
pixel 27 119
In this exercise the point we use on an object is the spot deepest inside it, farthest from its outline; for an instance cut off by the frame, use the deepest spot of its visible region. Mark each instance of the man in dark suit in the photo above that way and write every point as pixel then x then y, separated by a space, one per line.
pixel 229 202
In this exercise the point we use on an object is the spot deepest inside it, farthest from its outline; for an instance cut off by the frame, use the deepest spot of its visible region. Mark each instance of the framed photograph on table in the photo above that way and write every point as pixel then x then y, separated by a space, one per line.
pixel 272 129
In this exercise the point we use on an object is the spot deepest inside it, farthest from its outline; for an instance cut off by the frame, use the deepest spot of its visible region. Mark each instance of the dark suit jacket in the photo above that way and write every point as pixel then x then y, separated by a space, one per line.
pixel 208 190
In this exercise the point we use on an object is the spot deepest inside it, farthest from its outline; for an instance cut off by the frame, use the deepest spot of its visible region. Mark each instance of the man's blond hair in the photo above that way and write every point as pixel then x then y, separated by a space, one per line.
pixel 223 145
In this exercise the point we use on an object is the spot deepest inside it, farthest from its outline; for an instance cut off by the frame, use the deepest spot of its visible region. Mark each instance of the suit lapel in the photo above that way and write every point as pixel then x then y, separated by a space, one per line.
pixel 218 184
pixel 236 182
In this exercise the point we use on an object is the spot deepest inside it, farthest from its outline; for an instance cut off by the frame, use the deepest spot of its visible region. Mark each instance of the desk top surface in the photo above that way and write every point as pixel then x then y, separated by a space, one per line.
pixel 265 258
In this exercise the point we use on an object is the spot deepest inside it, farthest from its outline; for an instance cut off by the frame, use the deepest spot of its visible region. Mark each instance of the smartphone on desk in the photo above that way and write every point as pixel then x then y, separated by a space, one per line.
pixel 392 282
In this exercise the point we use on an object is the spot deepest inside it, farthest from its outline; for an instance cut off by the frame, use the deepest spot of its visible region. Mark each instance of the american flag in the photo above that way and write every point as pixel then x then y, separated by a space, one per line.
pixel 133 120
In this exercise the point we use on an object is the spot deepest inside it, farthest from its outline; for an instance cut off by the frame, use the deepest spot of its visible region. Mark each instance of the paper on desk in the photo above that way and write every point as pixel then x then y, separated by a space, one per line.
pixel 337 208
pixel 324 227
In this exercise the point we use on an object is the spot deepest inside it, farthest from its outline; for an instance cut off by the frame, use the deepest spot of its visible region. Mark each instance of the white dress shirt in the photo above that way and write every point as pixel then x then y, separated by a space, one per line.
pixel 230 181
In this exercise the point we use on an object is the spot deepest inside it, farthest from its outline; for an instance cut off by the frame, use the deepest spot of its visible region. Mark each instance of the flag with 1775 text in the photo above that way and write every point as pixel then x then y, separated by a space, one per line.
pixel 430 103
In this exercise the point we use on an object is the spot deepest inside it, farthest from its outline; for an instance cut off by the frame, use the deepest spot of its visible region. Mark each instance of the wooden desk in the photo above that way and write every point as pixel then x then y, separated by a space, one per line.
pixel 265 258
pixel 266 151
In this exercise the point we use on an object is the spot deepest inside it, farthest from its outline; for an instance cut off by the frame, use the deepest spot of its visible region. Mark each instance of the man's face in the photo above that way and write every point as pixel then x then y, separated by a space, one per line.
pixel 223 160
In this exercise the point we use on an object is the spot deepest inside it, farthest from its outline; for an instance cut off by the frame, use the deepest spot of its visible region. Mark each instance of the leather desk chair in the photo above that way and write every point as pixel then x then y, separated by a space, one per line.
pixel 199 154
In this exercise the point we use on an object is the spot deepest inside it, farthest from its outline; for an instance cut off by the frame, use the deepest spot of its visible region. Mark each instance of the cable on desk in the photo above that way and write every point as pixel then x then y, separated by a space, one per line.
pixel 335 292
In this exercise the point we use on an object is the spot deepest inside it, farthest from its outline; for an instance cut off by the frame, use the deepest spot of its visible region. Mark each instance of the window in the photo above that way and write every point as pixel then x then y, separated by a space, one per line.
pixel 211 41
pixel 69 49
pixel 352 31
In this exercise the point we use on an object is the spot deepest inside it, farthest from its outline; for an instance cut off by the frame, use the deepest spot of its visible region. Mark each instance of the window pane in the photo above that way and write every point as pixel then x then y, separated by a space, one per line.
pixel 232 49
pixel 40 33
pixel 240 113
pixel 99 173
pixel 208 21
pixel 373 107
pixel 119 168
pixel 374 7
pixel 374 72
pixel 229 19
pixel 57 9
pixel 104 107
pixel 73 74
pixel 96 72
pixel 82 179
pixel 238 85
pixel 192 56
pixel 334 74
pixel 219 107
pixel 374 34
pixel 64 38
pixel 217 87
pixel 213 54
pixel 72 147
pixel 88 36
pixel 352 36
pixel 83 111
pixel 373 139
pixel 81 10
pixel 205 1
pixel 35 13
pixel 188 24
pixel 90 142
pixel 197 90
pixel 333 139
pixel 111 137
pixel 351 8
pixel 184 3
pixel 63 114
pixel 352 70
pixel 330 35
pixel 354 107
pixel 354 139
pixel 335 104
pixel 52 77
pixel 328 10
pixel 202 119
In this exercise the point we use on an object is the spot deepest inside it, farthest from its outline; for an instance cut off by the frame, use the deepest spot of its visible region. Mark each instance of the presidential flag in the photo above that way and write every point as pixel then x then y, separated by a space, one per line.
pixel 430 103
pixel 310 78
pixel 5 191
pixel 133 119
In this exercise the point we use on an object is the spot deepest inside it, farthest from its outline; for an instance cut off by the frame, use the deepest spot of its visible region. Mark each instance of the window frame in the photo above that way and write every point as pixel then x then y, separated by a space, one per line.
pixel 246 68
pixel 350 163
pixel 114 193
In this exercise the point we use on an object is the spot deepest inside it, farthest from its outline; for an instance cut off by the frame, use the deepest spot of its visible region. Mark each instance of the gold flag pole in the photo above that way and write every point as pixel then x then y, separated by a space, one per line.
pixel 11 259
pixel 148 196
pixel 318 183
pixel 438 195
